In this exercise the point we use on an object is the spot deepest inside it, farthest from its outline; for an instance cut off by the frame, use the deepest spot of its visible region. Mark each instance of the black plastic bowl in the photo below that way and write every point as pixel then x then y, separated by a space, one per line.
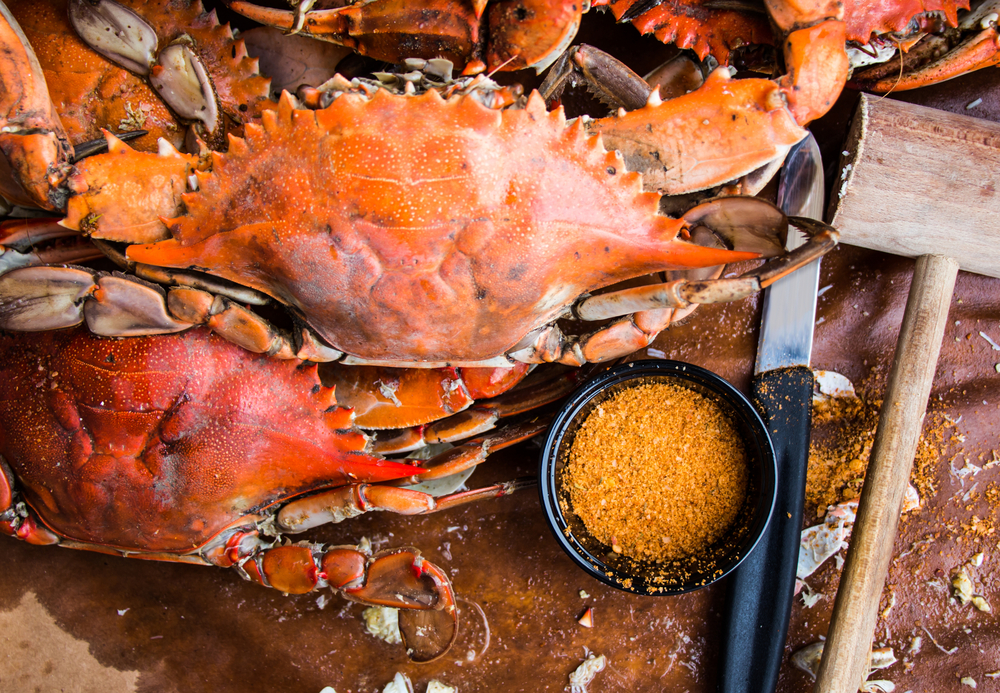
pixel 648 577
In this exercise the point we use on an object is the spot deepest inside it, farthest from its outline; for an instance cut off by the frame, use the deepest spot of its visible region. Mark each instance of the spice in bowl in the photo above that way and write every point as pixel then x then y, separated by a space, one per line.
pixel 712 504
pixel 658 472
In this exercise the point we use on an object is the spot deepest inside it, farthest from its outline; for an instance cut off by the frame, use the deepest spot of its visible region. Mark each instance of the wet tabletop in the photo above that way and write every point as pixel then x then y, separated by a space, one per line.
pixel 77 621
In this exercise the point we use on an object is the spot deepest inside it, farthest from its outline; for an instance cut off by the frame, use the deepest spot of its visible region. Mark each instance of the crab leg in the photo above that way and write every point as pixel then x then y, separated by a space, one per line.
pixel 725 129
pixel 373 28
pixel 478 418
pixel 345 502
pixel 652 307
pixel 20 240
pixel 399 578
pixel 721 131
pixel 681 293
pixel 389 398
pixel 409 407
pixel 181 72
pixel 41 298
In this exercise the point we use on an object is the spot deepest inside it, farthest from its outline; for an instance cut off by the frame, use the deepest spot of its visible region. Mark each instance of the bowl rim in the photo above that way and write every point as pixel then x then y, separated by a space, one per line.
pixel 581 397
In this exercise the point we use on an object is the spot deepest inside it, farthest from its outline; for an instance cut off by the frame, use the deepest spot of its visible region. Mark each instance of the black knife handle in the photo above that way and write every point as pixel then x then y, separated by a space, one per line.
pixel 759 597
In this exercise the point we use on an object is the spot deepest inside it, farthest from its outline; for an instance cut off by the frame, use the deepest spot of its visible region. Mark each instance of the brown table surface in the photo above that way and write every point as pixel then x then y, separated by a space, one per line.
pixel 77 621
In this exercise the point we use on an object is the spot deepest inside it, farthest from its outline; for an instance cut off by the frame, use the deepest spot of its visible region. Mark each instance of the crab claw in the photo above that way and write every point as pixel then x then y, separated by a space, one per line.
pixel 530 33
pixel 400 578
pixel 397 578
pixel 36 152
pixel 428 620
pixel 378 28
pixel 980 49
pixel 522 34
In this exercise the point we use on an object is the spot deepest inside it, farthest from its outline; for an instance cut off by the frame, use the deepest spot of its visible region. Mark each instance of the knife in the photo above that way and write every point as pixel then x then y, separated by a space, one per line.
pixel 759 597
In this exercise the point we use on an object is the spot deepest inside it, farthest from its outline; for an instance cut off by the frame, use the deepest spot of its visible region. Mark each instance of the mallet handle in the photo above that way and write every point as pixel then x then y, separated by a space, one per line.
pixel 845 656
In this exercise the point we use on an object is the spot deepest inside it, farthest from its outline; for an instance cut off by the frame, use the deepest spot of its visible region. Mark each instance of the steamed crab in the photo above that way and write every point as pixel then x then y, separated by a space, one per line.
pixel 462 243
pixel 813 36
pixel 935 41
pixel 187 448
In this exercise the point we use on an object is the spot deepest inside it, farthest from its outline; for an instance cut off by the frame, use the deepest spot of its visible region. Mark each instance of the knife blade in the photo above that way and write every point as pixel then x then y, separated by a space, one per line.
pixel 760 591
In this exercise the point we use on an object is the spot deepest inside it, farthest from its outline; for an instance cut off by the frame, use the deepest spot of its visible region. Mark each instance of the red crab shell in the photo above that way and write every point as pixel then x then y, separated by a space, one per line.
pixel 421 229
pixel 704 28
pixel 865 18
pixel 164 446
pixel 695 24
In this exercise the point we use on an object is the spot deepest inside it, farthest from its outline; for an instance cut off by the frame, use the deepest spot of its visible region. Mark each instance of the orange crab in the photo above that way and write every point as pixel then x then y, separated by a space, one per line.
pixel 187 448
pixel 534 33
pixel 938 42
pixel 461 244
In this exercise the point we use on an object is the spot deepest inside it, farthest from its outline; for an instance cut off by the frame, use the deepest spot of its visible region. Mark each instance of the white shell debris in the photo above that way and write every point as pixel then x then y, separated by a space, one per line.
pixel 383 623
pixel 436 686
pixel 911 499
pixel 388 390
pixel 937 644
pixel 830 384
pixel 584 674
pixel 968 681
pixel 962 586
pixel 963 589
pixel 996 347
pixel 328 689
pixel 968 470
pixel 808 659
pixel 889 607
pixel 809 598
pixel 400 684
pixel 882 658
pixel 820 542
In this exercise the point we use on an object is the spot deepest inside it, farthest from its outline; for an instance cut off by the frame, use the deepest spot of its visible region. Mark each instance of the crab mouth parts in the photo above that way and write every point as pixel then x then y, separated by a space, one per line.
pixel 927 38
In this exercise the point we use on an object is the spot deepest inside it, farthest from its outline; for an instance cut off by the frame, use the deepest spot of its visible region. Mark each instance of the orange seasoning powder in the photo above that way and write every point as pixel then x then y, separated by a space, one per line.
pixel 657 472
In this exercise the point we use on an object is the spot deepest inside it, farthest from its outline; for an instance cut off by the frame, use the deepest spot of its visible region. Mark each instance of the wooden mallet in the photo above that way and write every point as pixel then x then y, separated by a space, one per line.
pixel 923 183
